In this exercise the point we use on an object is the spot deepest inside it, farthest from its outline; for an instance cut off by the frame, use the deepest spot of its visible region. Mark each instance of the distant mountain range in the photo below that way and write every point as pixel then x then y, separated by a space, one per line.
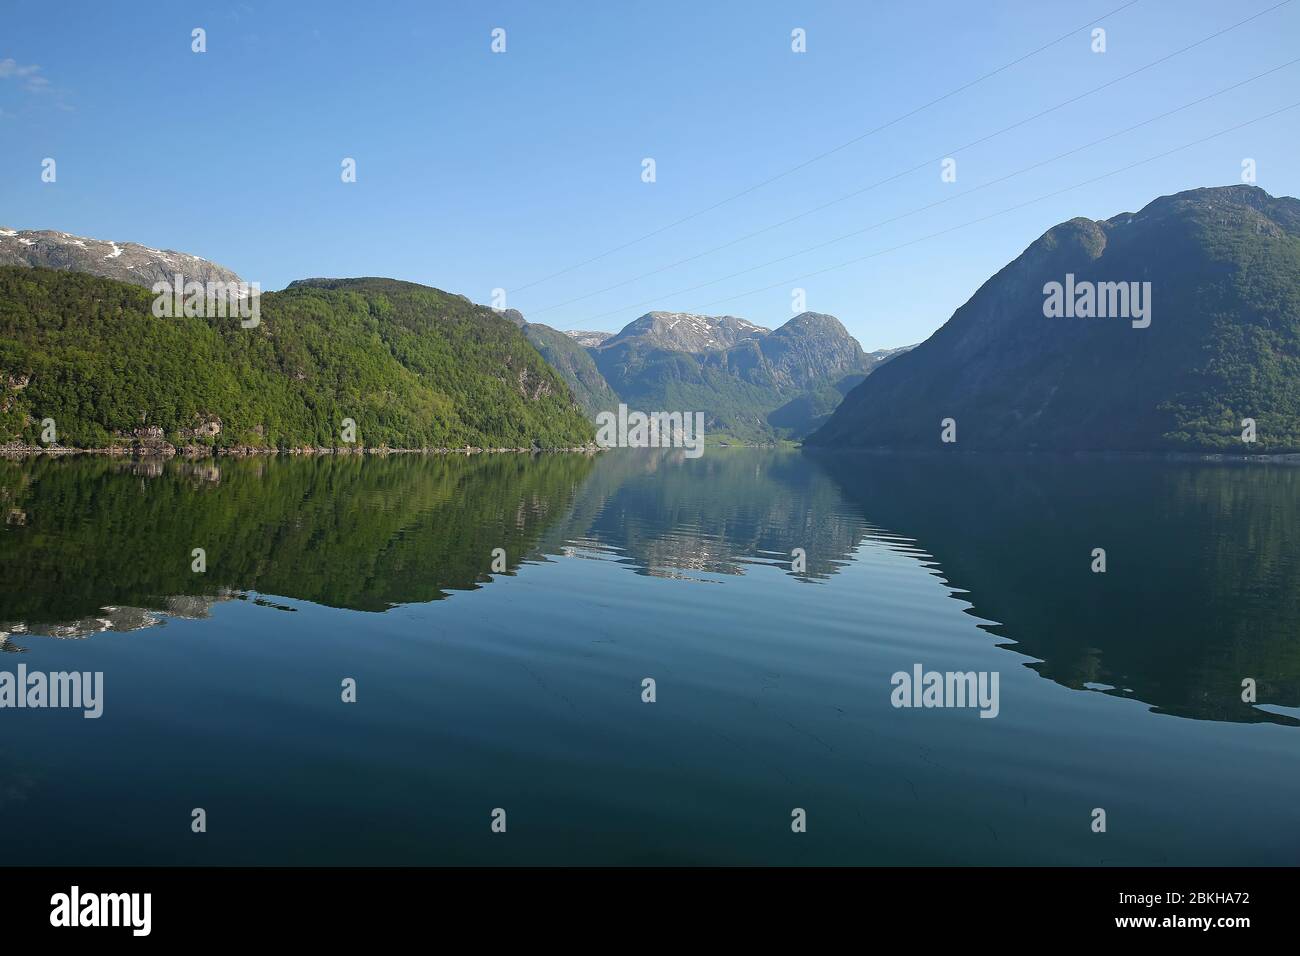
pixel 1219 270
pixel 752 383
pixel 588 339
pixel 686 332
pixel 881 355
pixel 1176 328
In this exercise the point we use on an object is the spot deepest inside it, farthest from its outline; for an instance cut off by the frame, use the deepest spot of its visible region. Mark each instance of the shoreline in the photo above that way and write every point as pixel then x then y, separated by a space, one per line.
pixel 1205 457
pixel 17 451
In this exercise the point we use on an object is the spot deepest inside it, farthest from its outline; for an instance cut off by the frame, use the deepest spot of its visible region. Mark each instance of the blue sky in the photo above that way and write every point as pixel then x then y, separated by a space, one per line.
pixel 478 171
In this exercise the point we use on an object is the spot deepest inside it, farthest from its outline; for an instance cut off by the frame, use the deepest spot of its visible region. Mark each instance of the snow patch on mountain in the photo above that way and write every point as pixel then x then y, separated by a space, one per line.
pixel 126 261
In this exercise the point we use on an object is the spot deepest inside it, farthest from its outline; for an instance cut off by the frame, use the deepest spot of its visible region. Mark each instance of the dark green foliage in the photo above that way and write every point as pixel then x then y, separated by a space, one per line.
pixel 412 366
pixel 1223 344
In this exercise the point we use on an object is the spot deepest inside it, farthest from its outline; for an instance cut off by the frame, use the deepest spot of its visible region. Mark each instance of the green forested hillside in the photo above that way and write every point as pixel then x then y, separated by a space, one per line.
pixel 1222 346
pixel 412 366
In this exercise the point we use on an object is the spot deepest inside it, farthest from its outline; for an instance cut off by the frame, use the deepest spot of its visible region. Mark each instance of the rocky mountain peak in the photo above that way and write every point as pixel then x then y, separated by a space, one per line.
pixel 588 340
pixel 687 332
pixel 124 261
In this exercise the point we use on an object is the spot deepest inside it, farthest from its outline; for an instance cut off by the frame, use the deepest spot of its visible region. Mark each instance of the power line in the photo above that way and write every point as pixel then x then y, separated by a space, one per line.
pixel 831 151
pixel 905 172
pixel 1003 212
pixel 939 202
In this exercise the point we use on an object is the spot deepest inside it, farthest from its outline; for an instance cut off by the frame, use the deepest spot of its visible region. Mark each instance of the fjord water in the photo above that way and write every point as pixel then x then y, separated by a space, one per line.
pixel 523 690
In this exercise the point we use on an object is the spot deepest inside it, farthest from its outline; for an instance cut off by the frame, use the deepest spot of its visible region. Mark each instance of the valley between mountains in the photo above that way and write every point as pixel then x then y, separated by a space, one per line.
pixel 413 367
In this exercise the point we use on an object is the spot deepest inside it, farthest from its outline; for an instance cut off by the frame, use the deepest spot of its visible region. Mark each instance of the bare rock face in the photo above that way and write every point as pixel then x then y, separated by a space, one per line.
pixel 209 427
pixel 810 348
pixel 149 440
pixel 882 355
pixel 124 261
pixel 588 340
pixel 686 332
pixel 10 384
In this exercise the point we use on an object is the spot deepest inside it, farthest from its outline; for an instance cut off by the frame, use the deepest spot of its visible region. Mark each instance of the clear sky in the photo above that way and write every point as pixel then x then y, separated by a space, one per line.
pixel 478 170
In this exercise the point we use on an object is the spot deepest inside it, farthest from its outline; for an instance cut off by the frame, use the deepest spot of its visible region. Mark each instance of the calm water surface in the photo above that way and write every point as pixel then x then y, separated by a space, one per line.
pixel 522 689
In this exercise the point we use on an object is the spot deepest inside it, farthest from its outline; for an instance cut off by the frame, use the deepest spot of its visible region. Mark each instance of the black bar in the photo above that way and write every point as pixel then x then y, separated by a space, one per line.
pixel 332 905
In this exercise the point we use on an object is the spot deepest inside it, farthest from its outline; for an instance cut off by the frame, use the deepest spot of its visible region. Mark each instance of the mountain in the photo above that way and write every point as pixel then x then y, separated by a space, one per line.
pixel 412 366
pixel 588 339
pixel 686 332
pixel 807 351
pixel 124 261
pixel 808 411
pixel 753 384
pixel 141 265
pixel 1222 343
pixel 568 357
pixel 882 355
